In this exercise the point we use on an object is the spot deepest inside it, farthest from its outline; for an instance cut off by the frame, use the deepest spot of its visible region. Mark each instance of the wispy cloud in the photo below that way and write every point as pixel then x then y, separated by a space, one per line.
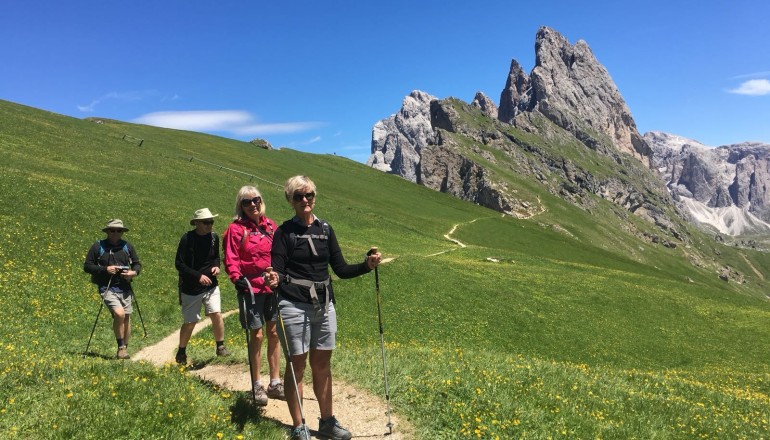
pixel 753 87
pixel 237 122
pixel 752 75
pixel 116 96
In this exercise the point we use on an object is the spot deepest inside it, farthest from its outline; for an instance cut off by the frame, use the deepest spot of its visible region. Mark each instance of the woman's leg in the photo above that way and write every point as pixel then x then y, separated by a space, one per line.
pixel 298 362
pixel 320 366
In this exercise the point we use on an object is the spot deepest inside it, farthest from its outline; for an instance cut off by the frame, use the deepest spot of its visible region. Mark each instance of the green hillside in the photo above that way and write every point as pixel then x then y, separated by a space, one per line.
pixel 563 325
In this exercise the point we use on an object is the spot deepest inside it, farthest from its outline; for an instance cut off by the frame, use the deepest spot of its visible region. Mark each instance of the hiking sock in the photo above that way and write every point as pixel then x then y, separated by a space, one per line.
pixel 220 343
pixel 182 351
pixel 120 342
pixel 274 382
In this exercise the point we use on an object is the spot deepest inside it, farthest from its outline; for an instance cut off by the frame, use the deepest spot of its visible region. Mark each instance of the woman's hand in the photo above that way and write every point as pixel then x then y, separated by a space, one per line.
pixel 373 260
pixel 271 278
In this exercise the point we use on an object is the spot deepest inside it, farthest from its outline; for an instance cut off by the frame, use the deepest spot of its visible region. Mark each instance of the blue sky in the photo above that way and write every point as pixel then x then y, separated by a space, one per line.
pixel 316 76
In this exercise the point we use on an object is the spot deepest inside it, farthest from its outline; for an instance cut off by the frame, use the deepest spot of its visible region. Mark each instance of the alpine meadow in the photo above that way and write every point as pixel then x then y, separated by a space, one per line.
pixel 561 325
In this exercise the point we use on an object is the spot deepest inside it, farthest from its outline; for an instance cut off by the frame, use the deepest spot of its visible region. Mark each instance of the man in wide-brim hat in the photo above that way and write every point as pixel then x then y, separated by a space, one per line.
pixel 197 260
pixel 113 263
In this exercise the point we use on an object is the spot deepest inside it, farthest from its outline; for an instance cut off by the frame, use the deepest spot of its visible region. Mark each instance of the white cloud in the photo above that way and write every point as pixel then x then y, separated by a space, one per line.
pixel 238 122
pixel 276 128
pixel 196 120
pixel 118 96
pixel 754 87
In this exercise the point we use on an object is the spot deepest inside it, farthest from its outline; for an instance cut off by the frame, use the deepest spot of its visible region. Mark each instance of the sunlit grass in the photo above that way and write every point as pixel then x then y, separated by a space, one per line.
pixel 562 326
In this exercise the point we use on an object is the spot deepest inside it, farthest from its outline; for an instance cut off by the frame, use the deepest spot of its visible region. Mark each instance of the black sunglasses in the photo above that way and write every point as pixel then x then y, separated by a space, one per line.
pixel 115 231
pixel 207 222
pixel 256 200
pixel 299 196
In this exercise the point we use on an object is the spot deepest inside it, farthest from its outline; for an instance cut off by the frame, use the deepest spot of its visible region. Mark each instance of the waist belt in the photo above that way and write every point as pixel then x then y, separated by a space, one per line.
pixel 313 294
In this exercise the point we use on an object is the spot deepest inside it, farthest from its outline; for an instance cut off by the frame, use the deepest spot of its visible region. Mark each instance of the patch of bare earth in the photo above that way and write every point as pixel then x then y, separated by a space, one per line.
pixel 364 414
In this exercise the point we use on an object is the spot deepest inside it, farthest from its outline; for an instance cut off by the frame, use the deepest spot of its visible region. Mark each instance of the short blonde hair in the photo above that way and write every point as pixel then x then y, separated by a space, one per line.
pixel 248 192
pixel 295 184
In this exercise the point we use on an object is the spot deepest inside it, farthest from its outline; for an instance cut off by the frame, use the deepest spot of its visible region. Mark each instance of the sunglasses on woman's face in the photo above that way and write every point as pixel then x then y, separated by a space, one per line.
pixel 299 196
pixel 256 200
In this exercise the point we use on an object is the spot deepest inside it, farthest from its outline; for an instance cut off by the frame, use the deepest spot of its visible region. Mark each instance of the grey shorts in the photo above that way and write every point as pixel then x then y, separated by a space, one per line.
pixel 252 314
pixel 117 300
pixel 307 327
pixel 210 299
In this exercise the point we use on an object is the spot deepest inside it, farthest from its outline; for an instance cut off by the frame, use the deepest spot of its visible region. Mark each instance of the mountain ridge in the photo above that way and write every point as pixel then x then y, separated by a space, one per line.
pixel 570 103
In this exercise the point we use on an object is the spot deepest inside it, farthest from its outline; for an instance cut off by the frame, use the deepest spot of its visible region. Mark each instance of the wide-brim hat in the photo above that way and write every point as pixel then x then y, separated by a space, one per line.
pixel 115 223
pixel 202 214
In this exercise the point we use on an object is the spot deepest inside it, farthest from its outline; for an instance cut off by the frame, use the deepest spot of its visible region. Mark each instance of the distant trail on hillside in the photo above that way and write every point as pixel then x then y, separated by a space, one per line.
pixel 448 236
pixel 362 413
pixel 759 274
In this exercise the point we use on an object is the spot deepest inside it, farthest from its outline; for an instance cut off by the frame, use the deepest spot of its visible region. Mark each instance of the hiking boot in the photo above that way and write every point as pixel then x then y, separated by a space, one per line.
pixel 276 391
pixel 332 430
pixel 301 432
pixel 122 353
pixel 259 395
pixel 181 358
pixel 222 351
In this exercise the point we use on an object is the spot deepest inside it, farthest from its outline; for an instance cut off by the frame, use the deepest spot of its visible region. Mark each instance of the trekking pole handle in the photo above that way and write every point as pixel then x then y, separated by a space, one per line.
pixel 372 251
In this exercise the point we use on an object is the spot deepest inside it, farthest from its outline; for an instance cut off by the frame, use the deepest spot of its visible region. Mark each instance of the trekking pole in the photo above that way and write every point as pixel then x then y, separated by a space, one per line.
pixel 140 313
pixel 389 425
pixel 245 321
pixel 101 306
pixel 287 353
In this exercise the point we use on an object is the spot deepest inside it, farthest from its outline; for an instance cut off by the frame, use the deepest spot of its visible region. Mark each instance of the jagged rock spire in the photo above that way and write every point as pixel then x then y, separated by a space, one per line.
pixel 572 89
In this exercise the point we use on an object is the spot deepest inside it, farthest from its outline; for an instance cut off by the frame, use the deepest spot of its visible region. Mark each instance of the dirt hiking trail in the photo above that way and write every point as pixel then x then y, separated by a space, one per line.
pixel 364 414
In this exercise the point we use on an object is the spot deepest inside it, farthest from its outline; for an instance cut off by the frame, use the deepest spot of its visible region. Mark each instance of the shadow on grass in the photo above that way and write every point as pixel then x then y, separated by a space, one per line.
pixel 92 354
pixel 244 411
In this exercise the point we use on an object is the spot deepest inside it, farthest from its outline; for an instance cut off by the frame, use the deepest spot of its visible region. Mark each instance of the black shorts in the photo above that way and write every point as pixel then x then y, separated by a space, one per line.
pixel 254 309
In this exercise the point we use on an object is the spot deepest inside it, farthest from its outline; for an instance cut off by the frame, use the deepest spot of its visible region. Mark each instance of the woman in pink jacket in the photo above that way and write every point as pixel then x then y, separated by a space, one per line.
pixel 247 243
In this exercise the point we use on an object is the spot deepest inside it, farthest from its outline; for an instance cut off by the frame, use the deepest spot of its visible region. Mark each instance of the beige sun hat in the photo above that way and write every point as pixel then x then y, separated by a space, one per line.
pixel 115 223
pixel 202 214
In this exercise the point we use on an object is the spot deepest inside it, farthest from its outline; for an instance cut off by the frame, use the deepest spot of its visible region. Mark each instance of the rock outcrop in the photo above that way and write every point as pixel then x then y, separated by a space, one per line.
pixel 398 140
pixel 485 104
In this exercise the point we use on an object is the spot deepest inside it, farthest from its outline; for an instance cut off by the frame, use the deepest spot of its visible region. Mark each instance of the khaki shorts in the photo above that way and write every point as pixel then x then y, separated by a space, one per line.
pixel 307 327
pixel 210 299
pixel 118 300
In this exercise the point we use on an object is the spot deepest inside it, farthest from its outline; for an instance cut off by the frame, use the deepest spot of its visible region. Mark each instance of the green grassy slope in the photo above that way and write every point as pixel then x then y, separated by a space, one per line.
pixel 576 330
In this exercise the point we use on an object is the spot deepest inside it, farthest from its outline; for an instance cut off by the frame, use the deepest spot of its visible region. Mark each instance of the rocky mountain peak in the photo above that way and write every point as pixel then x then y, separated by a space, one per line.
pixel 515 97
pixel 572 89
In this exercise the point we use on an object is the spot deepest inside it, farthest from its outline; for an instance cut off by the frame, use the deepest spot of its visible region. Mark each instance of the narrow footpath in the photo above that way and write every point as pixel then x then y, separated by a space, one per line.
pixel 364 414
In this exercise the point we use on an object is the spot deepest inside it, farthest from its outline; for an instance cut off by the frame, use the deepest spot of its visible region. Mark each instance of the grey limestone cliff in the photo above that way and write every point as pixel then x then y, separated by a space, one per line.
pixel 729 176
